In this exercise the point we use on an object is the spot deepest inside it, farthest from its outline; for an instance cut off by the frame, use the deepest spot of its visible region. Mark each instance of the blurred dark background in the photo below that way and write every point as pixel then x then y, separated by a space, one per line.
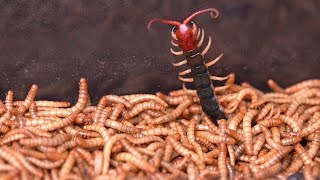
pixel 55 43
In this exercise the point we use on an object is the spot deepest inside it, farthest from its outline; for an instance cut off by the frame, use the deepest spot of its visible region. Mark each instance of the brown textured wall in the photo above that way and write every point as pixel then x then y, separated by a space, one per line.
pixel 54 43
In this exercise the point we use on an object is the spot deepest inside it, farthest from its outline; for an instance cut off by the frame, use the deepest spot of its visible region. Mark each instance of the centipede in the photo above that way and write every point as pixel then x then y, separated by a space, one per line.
pixel 189 38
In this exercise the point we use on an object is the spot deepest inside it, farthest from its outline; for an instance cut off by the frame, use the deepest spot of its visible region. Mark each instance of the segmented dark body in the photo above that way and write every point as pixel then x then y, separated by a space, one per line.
pixel 203 85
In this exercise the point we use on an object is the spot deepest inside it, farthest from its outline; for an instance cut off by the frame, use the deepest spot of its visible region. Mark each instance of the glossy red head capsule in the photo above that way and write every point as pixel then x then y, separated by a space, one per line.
pixel 185 33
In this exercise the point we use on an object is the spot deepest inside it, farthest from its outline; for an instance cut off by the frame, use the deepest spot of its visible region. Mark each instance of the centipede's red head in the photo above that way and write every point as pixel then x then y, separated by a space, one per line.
pixel 185 33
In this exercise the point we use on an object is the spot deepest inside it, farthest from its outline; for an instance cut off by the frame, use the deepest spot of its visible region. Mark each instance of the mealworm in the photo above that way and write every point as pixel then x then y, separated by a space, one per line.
pixel 144 139
pixel 139 98
pixel 303 155
pixel 172 100
pixel 118 100
pixel 142 107
pixel 98 110
pixel 158 132
pixel 213 127
pixel 268 138
pixel 192 171
pixel 240 95
pixel 85 155
pixel 85 171
pixel 215 138
pixel 10 159
pixel 173 115
pixel 303 85
pixel 140 163
pixel 268 172
pixel 107 151
pixel 167 153
pixel 222 167
pixel 67 166
pixel 100 129
pixel 264 111
pixel 90 143
pixel 247 133
pixel 182 162
pixel 45 164
pixel 121 127
pixel 58 124
pixel 43 141
pixel 29 99
pixel 266 123
pixel 258 144
pixel 23 161
pixel 237 118
pixel 274 86
pixel 184 151
pixel 116 110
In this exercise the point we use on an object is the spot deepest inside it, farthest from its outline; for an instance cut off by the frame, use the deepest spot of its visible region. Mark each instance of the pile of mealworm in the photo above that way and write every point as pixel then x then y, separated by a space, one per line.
pixel 145 136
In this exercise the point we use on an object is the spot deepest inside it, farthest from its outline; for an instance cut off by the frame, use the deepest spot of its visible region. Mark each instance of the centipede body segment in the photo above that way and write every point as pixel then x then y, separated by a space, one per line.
pixel 189 38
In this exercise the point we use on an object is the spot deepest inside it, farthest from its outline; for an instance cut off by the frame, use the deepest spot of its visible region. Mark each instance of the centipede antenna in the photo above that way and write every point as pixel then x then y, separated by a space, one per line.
pixel 214 14
pixel 174 23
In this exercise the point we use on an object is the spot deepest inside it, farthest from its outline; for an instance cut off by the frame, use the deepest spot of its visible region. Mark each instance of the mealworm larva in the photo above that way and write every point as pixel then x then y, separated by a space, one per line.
pixel 67 166
pixel 23 161
pixel 311 128
pixel 146 97
pixel 238 136
pixel 172 100
pixel 247 133
pixel 85 171
pixel 158 132
pixel 98 110
pixel 58 124
pixel 268 138
pixel 192 171
pixel 184 151
pixel 312 83
pixel 274 86
pixel 140 163
pixel 130 148
pixel 118 100
pixel 107 151
pixel 51 104
pixel 167 152
pixel 268 172
pixel 215 138
pixel 266 123
pixel 116 111
pixel 83 96
pixel 10 159
pixel 66 145
pixel 4 128
pixel 142 107
pixel 97 155
pixel 247 85
pixel 276 157
pixel 144 139
pixel 85 155
pixel 181 163
pixel 89 143
pixel 213 127
pixel 205 142
pixel 43 141
pixel 258 144
pixel 45 164
pixel 240 95
pixel 173 115
pixel 156 145
pixel 121 127
pixel 264 111
pixel 9 101
pixel 222 167
pixel 29 99
pixel 237 118
pixel 303 155
pixel 100 129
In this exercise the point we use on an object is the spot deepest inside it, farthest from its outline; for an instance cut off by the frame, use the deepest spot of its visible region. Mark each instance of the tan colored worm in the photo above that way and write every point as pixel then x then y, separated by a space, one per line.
pixel 274 86
pixel 215 138
pixel 142 107
pixel 140 163
pixel 43 141
pixel 107 151
pixel 23 161
pixel 29 99
pixel 172 116
pixel 139 98
pixel 67 166
pixel 45 164
pixel 58 124
pixel 303 85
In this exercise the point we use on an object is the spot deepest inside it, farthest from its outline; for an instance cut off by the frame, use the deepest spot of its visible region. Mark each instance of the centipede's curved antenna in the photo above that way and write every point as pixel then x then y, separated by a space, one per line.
pixel 214 14
pixel 174 23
